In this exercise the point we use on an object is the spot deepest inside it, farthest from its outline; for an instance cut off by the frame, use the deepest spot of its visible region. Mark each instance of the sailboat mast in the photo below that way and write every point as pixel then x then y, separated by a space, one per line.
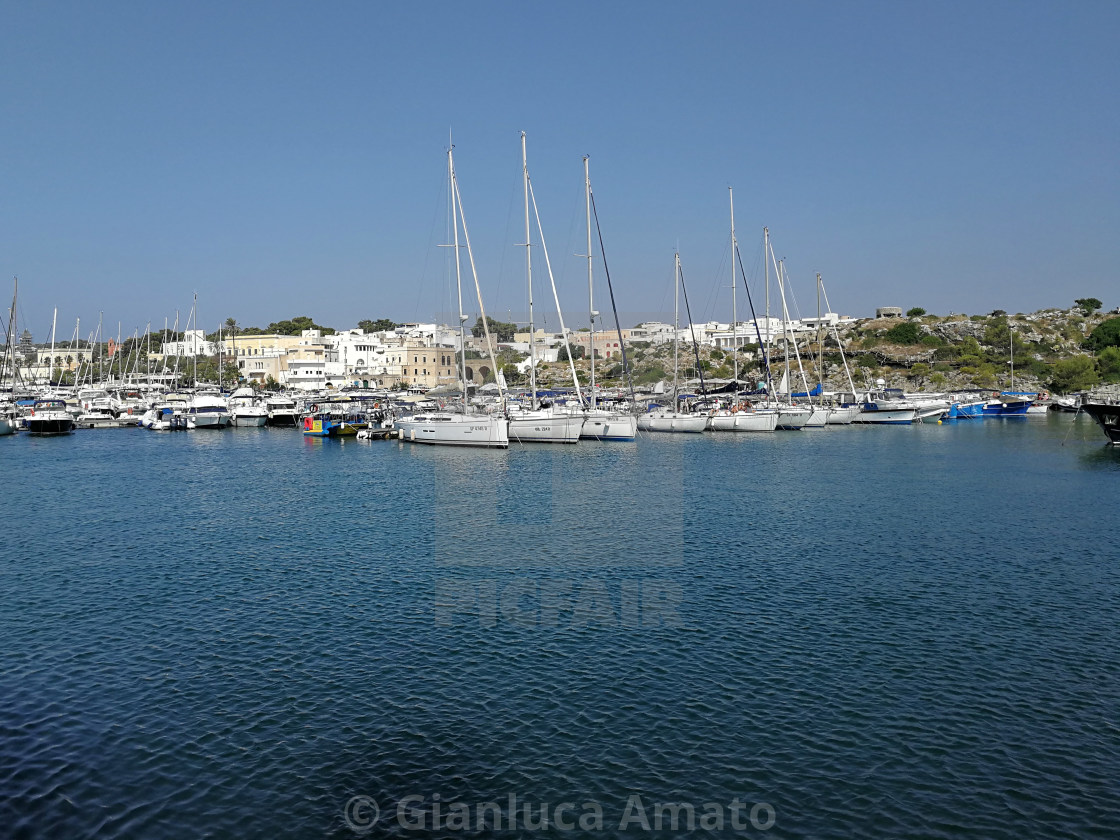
pixel 452 188
pixel 676 321
pixel 529 279
pixel 54 323
pixel 820 342
pixel 734 313
pixel 590 285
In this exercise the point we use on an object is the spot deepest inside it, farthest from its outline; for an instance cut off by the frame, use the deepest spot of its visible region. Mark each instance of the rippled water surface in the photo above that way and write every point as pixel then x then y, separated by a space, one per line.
pixel 892 632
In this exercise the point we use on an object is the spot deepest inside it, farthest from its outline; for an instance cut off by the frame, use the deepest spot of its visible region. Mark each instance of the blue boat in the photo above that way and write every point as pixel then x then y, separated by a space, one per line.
pixel 1003 404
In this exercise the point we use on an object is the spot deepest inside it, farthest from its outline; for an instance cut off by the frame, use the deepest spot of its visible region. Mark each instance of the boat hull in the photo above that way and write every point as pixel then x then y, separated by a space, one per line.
pixel 545 427
pixel 250 420
pixel 455 430
pixel 608 426
pixel 887 416
pixel 1107 416
pixel 743 421
pixel 842 415
pixel 50 426
pixel 792 419
pixel 671 421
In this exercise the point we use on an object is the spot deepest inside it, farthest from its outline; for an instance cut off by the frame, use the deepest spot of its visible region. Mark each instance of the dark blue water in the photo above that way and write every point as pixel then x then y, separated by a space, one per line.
pixel 881 632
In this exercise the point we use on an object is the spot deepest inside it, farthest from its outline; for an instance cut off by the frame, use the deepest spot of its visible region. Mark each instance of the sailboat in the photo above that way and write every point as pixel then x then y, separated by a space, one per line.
pixel 9 422
pixel 537 424
pixel 671 419
pixel 739 417
pixel 600 423
pixel 445 427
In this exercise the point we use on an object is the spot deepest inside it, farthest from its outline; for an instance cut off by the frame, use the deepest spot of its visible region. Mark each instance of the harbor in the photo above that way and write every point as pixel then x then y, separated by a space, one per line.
pixel 191 617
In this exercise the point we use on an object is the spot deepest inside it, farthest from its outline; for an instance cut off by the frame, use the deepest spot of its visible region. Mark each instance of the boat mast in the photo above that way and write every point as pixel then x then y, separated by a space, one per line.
pixel 590 285
pixel 820 343
pixel 452 188
pixel 734 313
pixel 1011 333
pixel 555 296
pixel 54 323
pixel 529 280
pixel 766 268
pixel 478 293
pixel 9 349
pixel 676 323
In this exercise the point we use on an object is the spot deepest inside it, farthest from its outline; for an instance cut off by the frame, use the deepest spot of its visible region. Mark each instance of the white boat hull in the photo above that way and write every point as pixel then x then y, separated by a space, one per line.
pixel 455 430
pixel 743 421
pixel 251 420
pixel 843 415
pixel 605 425
pixel 545 427
pixel 793 418
pixel 818 419
pixel 672 421
pixel 894 416
pixel 8 426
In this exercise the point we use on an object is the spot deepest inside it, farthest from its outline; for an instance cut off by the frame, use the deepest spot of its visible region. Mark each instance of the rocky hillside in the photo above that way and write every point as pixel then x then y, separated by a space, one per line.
pixel 1054 349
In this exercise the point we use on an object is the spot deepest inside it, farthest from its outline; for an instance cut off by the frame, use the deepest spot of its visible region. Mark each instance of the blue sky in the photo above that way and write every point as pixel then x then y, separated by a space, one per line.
pixel 288 159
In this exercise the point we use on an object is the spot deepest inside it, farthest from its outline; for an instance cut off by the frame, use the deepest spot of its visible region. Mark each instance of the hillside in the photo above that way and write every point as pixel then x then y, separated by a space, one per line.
pixel 1054 349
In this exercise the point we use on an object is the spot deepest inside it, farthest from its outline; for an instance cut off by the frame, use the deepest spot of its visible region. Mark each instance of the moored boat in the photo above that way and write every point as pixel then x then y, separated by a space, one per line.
pixel 1105 410
pixel 49 417
pixel 442 427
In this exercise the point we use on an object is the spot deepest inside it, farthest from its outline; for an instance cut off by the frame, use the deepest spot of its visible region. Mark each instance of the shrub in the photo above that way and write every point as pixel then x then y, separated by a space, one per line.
pixel 1089 305
pixel 1107 334
pixel 916 312
pixel 1109 363
pixel 904 333
pixel 1077 373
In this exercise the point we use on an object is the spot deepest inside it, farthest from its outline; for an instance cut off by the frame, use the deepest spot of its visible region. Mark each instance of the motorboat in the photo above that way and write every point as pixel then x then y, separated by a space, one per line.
pixel 246 409
pixel 49 417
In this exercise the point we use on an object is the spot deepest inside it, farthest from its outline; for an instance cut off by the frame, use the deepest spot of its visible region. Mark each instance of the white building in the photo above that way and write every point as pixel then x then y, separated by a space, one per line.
pixel 193 343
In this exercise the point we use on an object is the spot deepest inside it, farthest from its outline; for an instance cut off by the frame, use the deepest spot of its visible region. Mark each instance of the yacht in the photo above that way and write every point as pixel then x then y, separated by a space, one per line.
pixel 282 411
pixel 208 410
pixel 1105 409
pixel 246 409
pixel 50 417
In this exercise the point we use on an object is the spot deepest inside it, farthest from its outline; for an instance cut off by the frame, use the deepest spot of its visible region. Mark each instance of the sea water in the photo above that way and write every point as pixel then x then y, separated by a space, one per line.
pixel 881 632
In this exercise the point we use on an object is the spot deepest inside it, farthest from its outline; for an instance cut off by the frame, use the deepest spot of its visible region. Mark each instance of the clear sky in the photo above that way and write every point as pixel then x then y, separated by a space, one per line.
pixel 288 159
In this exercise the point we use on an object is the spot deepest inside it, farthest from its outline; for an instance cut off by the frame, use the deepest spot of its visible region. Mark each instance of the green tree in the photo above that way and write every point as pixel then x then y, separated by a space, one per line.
pixel 1108 360
pixel 1089 304
pixel 500 330
pixel 1107 334
pixel 295 326
pixel 380 325
pixel 1077 373
pixel 916 312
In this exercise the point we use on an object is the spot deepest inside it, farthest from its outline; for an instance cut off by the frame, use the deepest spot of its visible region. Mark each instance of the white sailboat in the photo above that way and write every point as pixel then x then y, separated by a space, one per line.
pixel 739 417
pixel 444 427
pixel 600 423
pixel 537 424
pixel 670 419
